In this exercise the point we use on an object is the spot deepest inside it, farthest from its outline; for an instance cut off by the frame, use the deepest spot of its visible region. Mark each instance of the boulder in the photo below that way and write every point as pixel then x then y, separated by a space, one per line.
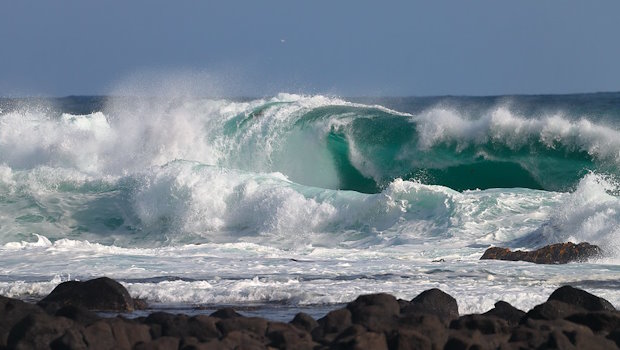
pixel 101 294
pixel 506 312
pixel 376 312
pixel 581 298
pixel 560 253
pixel 305 322
pixel 13 311
pixel 434 302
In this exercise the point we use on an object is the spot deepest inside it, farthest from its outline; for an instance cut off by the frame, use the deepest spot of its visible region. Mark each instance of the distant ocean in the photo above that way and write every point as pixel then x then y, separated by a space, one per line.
pixel 291 201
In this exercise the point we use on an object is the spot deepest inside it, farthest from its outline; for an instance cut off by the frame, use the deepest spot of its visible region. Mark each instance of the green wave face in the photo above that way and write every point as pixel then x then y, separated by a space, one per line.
pixel 364 148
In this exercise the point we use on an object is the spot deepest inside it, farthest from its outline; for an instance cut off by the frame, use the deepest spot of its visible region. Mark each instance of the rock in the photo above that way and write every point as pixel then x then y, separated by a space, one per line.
pixel 560 253
pixel 254 325
pixel 78 314
pixel 305 322
pixel 427 324
pixel 167 325
pixel 357 337
pixel 599 321
pixel 37 331
pixel 226 312
pixel 334 322
pixel 435 302
pixel 116 333
pixel 163 343
pixel 581 298
pixel 376 312
pixel 287 336
pixel 101 294
pixel 506 312
pixel 242 340
pixel 11 312
pixel 552 310
pixel 481 323
pixel 409 339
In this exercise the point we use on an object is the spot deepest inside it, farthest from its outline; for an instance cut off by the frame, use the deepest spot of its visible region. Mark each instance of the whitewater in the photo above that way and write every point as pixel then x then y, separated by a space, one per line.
pixel 295 200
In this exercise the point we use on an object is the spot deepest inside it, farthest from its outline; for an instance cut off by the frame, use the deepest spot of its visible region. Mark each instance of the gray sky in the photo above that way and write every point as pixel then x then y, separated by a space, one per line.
pixel 348 48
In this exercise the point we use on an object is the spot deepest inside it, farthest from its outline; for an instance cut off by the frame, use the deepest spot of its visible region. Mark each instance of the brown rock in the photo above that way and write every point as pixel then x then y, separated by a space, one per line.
pixel 254 325
pixel 97 294
pixel 434 302
pixel 334 322
pixel 287 336
pixel 11 312
pixel 560 253
pixel 165 324
pixel 506 312
pixel 305 322
pixel 581 298
pixel 376 312
pixel 37 331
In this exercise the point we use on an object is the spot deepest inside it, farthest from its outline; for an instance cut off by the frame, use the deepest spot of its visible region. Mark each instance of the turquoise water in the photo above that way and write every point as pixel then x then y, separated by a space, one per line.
pixel 304 200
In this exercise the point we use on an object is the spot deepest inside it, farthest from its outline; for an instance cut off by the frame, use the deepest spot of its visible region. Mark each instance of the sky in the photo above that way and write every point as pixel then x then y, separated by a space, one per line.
pixel 345 48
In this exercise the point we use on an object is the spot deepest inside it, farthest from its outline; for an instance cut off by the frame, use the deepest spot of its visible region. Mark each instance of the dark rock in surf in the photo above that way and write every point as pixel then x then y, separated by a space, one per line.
pixel 434 302
pixel 581 298
pixel 560 253
pixel 506 312
pixel 101 294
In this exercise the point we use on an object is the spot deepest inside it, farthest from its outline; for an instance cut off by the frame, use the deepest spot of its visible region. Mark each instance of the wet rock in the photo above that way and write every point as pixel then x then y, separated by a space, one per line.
pixel 254 325
pixel 600 321
pixel 305 322
pixel 357 337
pixel 242 340
pixel 226 312
pixel 409 339
pixel 560 253
pixel 37 331
pixel 102 294
pixel 163 343
pixel 552 310
pixel 11 312
pixel 116 333
pixel 376 312
pixel 78 314
pixel 435 302
pixel 581 298
pixel 334 322
pixel 164 324
pixel 287 336
pixel 481 323
pixel 506 312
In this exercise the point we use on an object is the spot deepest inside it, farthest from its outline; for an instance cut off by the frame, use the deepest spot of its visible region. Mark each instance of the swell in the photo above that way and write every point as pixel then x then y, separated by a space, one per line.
pixel 318 141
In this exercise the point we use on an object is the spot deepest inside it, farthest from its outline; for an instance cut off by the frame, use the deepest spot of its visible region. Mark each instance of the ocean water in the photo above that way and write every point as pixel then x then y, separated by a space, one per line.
pixel 297 202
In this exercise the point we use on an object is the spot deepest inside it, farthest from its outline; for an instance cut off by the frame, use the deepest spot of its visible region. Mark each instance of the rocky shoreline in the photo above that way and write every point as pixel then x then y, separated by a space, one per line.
pixel 66 319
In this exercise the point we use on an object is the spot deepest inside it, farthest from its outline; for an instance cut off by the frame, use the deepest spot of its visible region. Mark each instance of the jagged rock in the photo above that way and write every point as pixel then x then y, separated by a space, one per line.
pixel 435 302
pixel 101 294
pixel 560 253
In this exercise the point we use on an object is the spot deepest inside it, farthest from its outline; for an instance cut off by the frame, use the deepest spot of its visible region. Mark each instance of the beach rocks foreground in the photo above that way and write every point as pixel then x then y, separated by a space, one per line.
pixel 560 253
pixel 570 319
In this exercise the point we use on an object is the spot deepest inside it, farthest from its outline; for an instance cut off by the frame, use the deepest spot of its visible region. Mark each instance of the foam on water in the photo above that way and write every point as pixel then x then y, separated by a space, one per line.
pixel 302 200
